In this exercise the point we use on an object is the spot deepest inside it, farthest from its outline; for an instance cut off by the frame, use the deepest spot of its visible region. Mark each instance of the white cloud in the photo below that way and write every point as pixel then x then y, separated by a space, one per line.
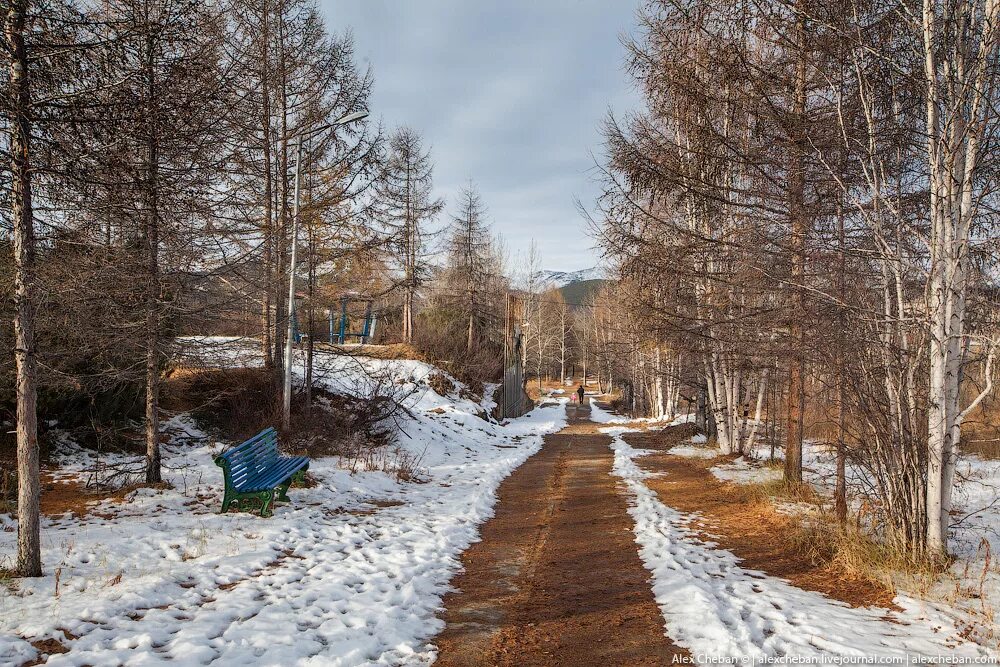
pixel 510 94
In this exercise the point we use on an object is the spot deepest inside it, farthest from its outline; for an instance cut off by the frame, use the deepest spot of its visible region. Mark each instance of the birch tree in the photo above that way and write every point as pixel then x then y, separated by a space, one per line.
pixel 961 63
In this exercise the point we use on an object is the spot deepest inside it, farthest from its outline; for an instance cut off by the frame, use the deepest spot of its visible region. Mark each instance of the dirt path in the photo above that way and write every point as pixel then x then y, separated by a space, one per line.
pixel 556 579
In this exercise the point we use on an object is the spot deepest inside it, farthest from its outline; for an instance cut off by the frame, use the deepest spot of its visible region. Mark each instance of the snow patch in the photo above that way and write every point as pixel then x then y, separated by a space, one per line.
pixel 742 471
pixel 692 452
pixel 718 609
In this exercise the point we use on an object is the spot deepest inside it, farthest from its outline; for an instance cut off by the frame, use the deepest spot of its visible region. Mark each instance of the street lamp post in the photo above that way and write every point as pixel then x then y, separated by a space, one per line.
pixel 286 407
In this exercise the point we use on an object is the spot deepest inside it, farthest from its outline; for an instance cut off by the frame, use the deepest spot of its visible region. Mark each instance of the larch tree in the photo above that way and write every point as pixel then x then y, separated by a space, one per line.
pixel 19 116
pixel 169 55
pixel 405 206
pixel 471 262
pixel 49 47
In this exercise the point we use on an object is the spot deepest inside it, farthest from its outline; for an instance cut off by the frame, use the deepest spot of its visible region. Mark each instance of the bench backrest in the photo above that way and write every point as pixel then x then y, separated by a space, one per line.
pixel 250 457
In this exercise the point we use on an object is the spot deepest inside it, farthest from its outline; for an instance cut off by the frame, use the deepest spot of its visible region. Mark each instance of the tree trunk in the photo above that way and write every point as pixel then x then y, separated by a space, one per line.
pixel 267 288
pixel 310 315
pixel 281 244
pixel 701 411
pixel 658 404
pixel 152 238
pixel 758 410
pixel 29 560
pixel 797 215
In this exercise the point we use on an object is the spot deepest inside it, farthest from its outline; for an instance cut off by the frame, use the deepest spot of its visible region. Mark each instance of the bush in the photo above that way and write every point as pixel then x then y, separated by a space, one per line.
pixel 240 402
pixel 445 344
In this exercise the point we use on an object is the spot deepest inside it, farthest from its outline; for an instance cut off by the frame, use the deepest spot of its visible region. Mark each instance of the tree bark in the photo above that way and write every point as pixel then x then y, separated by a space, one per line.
pixel 797 215
pixel 152 239
pixel 268 230
pixel 29 561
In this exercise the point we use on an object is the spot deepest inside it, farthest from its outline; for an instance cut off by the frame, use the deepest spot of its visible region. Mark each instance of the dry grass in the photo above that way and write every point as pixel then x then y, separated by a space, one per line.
pixel 441 384
pixel 391 352
pixel 857 553
pixel 846 548
pixel 986 448
pixel 766 493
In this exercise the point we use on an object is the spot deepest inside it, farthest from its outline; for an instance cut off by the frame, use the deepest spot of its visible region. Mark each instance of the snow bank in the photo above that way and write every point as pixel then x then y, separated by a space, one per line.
pixel 351 572
pixel 719 610
pixel 974 538
pixel 602 416
pixel 692 452
pixel 742 471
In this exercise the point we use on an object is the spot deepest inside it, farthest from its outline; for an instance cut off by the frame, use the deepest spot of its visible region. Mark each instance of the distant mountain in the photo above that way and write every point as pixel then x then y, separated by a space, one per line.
pixel 582 292
pixel 560 279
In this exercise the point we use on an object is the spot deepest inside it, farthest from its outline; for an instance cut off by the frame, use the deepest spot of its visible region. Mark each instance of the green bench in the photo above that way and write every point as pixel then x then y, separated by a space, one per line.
pixel 254 471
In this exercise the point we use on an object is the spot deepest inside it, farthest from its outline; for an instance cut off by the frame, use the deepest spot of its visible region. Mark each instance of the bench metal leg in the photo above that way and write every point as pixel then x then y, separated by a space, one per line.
pixel 298 476
pixel 283 491
pixel 226 501
pixel 267 498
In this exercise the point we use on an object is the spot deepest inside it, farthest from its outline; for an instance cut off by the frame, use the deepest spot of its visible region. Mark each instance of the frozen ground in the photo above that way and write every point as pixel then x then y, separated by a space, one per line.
pixel 729 611
pixel 350 572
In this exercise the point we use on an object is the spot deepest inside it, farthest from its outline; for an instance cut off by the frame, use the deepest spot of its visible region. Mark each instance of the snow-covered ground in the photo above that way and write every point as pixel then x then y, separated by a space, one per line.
pixel 732 612
pixel 972 584
pixel 351 572
pixel 602 416
pixel 742 471
pixel 970 590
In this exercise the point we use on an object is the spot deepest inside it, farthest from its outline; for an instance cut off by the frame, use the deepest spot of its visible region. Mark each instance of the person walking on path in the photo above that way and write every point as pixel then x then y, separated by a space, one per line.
pixel 579 392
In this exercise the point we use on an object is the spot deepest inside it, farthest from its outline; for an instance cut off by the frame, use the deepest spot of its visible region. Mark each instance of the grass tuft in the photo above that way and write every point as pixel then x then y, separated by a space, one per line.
pixel 858 554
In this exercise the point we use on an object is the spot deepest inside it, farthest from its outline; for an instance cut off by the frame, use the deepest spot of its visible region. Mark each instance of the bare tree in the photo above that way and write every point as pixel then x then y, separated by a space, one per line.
pixel 405 206
pixel 472 264
pixel 961 50
pixel 29 561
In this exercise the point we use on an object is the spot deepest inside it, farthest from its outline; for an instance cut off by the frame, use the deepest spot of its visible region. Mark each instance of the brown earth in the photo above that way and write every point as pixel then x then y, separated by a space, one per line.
pixel 69 496
pixel 556 579
pixel 753 531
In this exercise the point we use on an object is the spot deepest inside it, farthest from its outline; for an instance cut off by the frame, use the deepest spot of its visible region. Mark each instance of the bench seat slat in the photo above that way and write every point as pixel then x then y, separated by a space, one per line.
pixel 258 478
pixel 272 477
pixel 262 461
pixel 241 453
pixel 262 451
pixel 265 435
pixel 256 467
pixel 251 448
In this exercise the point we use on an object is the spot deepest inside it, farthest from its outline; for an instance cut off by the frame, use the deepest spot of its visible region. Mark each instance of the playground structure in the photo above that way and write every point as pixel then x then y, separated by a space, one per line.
pixel 339 321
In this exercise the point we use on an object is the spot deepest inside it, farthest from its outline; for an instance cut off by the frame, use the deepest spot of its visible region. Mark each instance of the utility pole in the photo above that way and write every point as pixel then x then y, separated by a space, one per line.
pixel 286 394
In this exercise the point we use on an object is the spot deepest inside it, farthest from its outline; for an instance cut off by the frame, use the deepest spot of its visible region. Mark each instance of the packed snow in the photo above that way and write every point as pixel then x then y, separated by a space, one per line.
pixel 692 452
pixel 602 416
pixel 351 572
pixel 732 612
pixel 742 471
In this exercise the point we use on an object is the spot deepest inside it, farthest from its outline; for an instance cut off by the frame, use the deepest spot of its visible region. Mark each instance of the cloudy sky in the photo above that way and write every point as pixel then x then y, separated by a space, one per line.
pixel 510 94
